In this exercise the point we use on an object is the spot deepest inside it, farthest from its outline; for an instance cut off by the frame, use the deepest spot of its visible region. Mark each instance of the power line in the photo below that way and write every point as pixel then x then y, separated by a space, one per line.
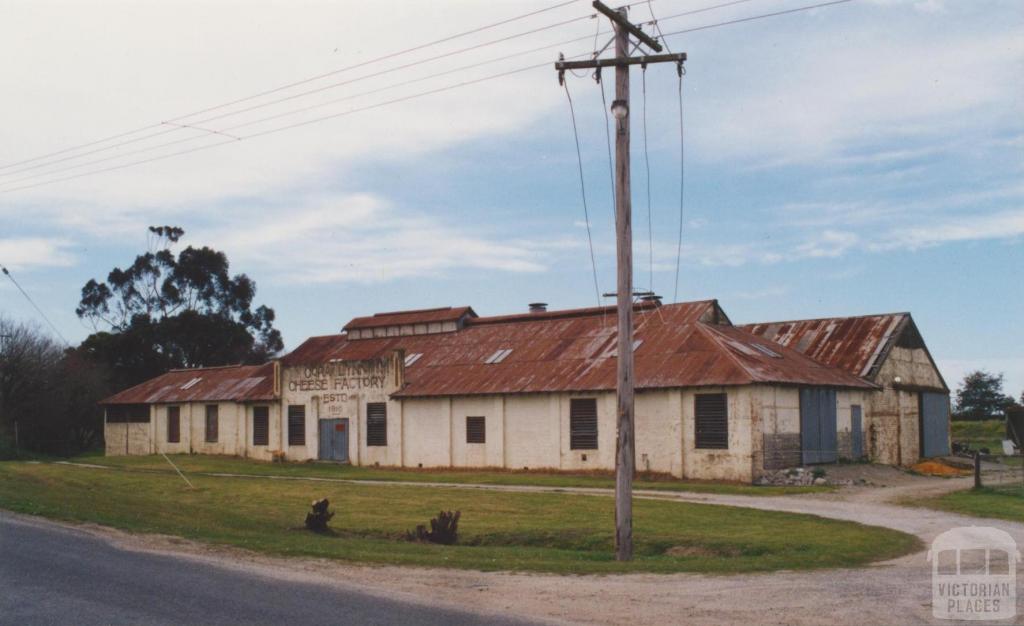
pixel 433 91
pixel 583 191
pixel 34 305
pixel 197 125
pixel 282 128
pixel 608 139
pixel 647 167
pixel 261 120
pixel 654 21
pixel 682 188
pixel 758 17
pixel 298 82
pixel 175 127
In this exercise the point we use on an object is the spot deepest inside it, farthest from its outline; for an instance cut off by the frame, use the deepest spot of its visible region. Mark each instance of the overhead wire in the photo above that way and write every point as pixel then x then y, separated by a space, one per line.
pixel 300 82
pixel 647 167
pixel 197 124
pixel 682 189
pixel 284 128
pixel 429 92
pixel 228 129
pixel 175 127
pixel 7 273
pixel 583 191
pixel 758 17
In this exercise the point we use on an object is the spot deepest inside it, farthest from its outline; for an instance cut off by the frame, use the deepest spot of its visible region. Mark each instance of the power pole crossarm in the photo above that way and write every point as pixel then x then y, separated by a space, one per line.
pixel 641 60
pixel 625 461
pixel 618 17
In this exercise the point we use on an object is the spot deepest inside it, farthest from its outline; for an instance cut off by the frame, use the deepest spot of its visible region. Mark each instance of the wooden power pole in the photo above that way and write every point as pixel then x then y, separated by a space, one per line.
pixel 625 461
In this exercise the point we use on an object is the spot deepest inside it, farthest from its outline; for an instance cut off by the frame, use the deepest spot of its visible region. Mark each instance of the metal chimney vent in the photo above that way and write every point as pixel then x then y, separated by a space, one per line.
pixel 538 307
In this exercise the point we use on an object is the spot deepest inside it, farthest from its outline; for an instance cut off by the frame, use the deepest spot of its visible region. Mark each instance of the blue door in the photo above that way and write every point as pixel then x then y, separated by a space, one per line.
pixel 334 440
pixel 856 432
pixel 934 424
pixel 818 426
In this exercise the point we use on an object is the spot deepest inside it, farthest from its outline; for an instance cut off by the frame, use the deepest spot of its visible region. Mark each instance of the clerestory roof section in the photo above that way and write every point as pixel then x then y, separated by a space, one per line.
pixel 676 345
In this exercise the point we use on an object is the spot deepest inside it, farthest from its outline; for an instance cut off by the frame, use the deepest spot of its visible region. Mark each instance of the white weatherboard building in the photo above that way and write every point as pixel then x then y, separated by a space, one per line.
pixel 446 388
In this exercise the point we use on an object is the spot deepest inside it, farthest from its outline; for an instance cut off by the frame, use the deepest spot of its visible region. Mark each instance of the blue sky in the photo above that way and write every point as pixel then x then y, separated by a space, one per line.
pixel 860 158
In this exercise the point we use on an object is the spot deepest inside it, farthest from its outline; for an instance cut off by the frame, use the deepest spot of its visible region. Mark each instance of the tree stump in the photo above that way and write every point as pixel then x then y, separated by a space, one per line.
pixel 444 529
pixel 316 520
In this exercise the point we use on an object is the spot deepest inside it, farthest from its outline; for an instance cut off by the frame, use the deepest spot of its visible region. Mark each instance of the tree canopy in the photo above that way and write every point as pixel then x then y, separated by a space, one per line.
pixel 981 397
pixel 165 311
pixel 48 394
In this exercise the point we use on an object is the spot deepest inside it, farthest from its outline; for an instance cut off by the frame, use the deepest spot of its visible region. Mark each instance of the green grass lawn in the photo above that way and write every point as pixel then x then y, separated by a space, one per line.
pixel 232 465
pixel 549 532
pixel 980 434
pixel 984 434
pixel 1003 502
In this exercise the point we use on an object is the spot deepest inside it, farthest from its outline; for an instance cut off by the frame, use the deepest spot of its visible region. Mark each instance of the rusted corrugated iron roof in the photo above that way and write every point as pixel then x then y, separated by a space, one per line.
pixel 575 350
pixel 233 382
pixel 402 318
pixel 853 344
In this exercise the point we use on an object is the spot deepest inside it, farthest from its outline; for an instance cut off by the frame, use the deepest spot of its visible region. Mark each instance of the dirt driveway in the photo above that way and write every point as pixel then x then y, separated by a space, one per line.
pixel 891 592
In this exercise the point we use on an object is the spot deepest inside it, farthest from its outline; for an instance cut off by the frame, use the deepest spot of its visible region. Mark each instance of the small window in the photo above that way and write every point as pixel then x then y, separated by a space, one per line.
pixel 173 424
pixel 191 383
pixel 412 358
pixel 376 424
pixel 766 351
pixel 212 425
pixel 476 429
pixel 260 425
pixel 498 356
pixel 711 420
pixel 583 424
pixel 296 424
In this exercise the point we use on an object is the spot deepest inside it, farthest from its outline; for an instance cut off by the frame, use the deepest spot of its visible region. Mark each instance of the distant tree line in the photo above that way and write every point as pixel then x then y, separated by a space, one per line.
pixel 981 397
pixel 162 312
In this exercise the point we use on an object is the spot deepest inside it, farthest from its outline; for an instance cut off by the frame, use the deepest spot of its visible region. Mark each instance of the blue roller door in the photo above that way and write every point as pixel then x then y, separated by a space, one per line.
pixel 818 426
pixel 934 415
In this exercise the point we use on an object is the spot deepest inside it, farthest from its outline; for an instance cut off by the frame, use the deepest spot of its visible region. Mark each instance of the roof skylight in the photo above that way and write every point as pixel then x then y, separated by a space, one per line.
pixel 498 356
pixel 191 383
pixel 412 358
pixel 766 351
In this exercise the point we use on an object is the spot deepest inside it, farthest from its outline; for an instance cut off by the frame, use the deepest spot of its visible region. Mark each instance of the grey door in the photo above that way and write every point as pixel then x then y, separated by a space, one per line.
pixel 934 426
pixel 856 432
pixel 334 440
pixel 818 425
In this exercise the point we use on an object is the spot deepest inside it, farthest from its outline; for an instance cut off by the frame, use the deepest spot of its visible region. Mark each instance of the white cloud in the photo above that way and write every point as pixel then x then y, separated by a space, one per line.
pixel 31 252
pixel 1002 225
pixel 360 238
pixel 861 86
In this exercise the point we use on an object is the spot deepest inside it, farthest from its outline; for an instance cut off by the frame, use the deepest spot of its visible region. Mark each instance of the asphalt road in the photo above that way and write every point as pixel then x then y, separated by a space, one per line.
pixel 55 575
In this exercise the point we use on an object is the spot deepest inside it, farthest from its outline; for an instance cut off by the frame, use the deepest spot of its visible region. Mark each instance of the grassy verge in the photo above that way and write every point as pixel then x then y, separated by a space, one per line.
pixel 982 433
pixel 547 532
pixel 1002 502
pixel 985 434
pixel 208 464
